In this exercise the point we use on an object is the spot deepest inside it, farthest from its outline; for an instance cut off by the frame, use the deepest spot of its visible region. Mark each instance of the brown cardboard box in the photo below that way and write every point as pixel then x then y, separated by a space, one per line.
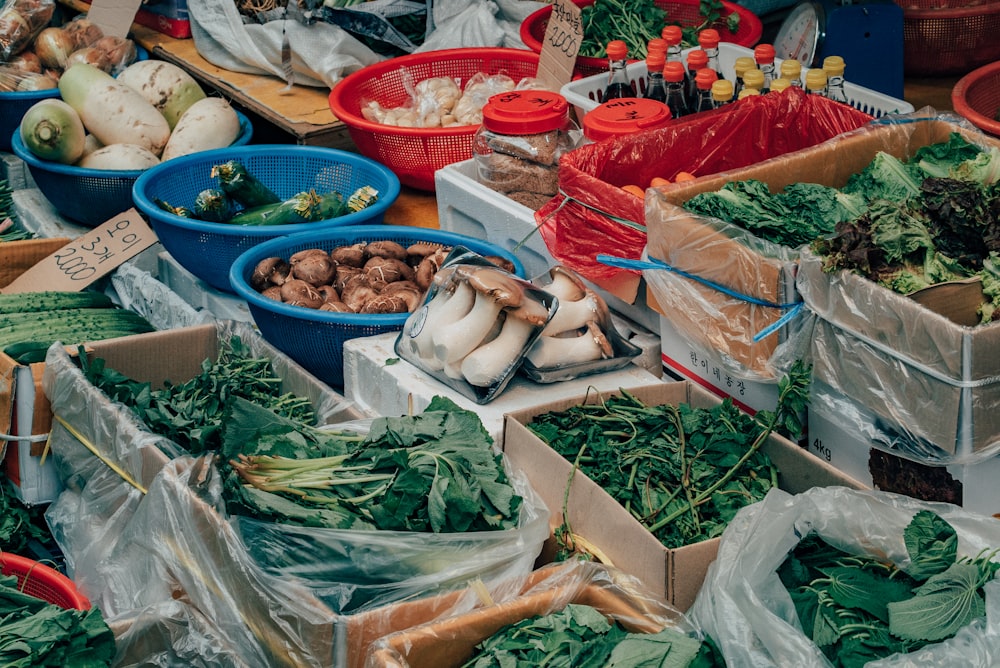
pixel 597 517
pixel 736 259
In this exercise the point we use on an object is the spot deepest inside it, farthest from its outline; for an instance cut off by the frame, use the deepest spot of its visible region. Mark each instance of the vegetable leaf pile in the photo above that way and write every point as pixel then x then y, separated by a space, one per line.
pixel 432 472
pixel 191 413
pixel 860 608
pixel 20 524
pixel 682 472
pixel 580 636
pixel 38 634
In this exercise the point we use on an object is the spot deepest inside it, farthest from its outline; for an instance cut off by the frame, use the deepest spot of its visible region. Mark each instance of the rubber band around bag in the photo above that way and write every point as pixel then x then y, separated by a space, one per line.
pixel 792 308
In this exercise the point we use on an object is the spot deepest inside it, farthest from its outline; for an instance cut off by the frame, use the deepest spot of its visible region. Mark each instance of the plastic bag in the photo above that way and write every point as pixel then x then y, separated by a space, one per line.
pixel 20 22
pixel 15 80
pixel 449 639
pixel 592 214
pixel 745 608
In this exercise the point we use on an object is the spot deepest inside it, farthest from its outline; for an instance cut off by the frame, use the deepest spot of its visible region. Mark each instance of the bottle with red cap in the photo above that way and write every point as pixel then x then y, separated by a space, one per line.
pixel 708 40
pixel 704 80
pixel 697 59
pixel 655 86
pixel 673 36
pixel 764 55
pixel 618 81
pixel 674 76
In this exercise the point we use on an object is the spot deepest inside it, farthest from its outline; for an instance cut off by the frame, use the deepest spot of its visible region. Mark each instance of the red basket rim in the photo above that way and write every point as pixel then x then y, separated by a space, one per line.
pixel 48 577
pixel 354 120
pixel 947 13
pixel 961 105
pixel 747 18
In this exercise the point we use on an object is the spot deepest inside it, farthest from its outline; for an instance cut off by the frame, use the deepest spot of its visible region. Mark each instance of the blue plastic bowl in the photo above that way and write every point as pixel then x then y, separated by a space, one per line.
pixel 91 196
pixel 208 250
pixel 314 338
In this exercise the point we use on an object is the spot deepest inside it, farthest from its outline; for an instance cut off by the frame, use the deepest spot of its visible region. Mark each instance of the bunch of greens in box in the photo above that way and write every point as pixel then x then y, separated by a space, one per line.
pixel 682 472
pixel 37 634
pixel 191 413
pixel 10 227
pixel 20 524
pixel 580 636
pixel 432 472
pixel 861 608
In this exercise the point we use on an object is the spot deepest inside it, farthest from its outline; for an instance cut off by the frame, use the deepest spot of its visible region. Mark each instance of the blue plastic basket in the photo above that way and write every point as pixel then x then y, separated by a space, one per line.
pixel 208 250
pixel 315 338
pixel 91 196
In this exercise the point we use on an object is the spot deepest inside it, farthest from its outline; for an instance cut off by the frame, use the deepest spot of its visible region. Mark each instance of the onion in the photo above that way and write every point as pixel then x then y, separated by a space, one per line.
pixel 121 52
pixel 90 55
pixel 26 61
pixel 35 81
pixel 53 47
pixel 83 32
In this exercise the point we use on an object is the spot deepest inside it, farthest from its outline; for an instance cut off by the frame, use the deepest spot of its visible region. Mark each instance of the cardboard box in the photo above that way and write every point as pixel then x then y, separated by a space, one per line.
pixel 877 460
pixel 449 642
pixel 595 515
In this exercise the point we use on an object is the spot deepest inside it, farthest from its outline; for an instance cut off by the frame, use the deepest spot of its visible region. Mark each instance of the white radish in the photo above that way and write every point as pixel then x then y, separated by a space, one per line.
pixel 52 130
pixel 119 157
pixel 164 85
pixel 208 123
pixel 112 111
pixel 90 144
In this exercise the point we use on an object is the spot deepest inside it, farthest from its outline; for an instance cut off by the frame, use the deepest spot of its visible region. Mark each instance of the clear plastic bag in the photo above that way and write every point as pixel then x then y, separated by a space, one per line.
pixel 20 22
pixel 746 609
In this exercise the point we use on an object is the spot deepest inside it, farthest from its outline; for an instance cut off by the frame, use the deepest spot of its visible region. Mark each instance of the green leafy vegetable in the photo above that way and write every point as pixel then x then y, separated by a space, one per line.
pixel 858 608
pixel 20 524
pixel 191 413
pixel 886 177
pixel 580 636
pixel 432 472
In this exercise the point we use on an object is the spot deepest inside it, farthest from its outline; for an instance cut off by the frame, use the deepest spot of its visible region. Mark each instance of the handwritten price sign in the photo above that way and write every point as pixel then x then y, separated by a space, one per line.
pixel 561 43
pixel 86 259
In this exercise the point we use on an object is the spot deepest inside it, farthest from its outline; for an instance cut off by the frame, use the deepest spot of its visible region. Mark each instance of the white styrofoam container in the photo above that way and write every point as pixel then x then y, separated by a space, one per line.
pixel 466 206
pixel 585 93
pixel 380 384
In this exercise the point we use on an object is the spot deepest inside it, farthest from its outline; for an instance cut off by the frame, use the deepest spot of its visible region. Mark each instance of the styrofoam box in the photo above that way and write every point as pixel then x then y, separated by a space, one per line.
pixel 972 486
pixel 585 93
pixel 686 361
pixel 465 206
pixel 381 384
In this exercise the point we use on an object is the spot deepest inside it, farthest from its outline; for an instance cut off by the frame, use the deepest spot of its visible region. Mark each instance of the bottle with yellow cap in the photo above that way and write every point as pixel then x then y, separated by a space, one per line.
pixel 791 70
pixel 833 66
pixel 618 82
pixel 722 92
pixel 748 92
pixel 816 81
pixel 753 78
pixel 780 84
pixel 741 65
pixel 763 54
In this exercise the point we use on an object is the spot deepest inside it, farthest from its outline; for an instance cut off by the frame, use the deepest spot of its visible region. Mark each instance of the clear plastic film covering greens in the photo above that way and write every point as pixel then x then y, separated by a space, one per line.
pixel 454 624
pixel 140 291
pixel 747 610
pixel 592 214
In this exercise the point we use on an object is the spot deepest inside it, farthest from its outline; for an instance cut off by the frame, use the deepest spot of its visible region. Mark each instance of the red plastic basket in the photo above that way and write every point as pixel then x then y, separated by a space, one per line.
pixel 949 36
pixel 684 12
pixel 41 581
pixel 414 154
pixel 976 96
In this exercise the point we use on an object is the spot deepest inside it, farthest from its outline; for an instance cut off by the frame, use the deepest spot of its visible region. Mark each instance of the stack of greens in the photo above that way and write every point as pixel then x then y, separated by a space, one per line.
pixel 10 228
pixel 579 636
pixel 860 608
pixel 38 634
pixel 432 472
pixel 682 472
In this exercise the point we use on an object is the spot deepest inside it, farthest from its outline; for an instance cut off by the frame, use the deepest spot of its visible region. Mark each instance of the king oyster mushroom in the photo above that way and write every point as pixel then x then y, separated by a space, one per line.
pixel 558 351
pixel 451 300
pixel 488 363
pixel 572 315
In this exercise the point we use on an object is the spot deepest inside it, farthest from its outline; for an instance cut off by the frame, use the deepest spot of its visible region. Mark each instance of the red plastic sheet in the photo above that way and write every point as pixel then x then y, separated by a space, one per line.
pixel 592 214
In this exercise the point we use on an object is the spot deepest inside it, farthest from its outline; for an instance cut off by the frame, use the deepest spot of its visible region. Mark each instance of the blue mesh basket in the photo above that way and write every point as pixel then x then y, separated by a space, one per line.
pixel 315 338
pixel 206 249
pixel 91 196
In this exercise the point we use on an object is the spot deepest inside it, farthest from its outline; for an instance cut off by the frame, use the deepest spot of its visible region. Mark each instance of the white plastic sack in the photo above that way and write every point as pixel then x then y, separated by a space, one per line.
pixel 746 609
pixel 467 23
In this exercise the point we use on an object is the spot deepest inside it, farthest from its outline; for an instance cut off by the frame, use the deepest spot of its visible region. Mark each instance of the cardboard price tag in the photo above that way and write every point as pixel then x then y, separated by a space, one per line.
pixel 114 17
pixel 86 259
pixel 561 44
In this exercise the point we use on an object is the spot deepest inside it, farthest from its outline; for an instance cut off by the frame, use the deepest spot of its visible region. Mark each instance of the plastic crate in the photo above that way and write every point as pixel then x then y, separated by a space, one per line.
pixel 315 338
pixel 207 249
pixel 949 36
pixel 586 94
pixel 414 154
pixel 44 582
pixel 684 12
pixel 976 96
pixel 91 196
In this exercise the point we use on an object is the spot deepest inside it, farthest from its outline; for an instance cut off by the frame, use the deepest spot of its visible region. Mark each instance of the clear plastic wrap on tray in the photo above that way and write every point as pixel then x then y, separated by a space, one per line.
pixel 746 609
pixel 450 638
pixel 20 22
